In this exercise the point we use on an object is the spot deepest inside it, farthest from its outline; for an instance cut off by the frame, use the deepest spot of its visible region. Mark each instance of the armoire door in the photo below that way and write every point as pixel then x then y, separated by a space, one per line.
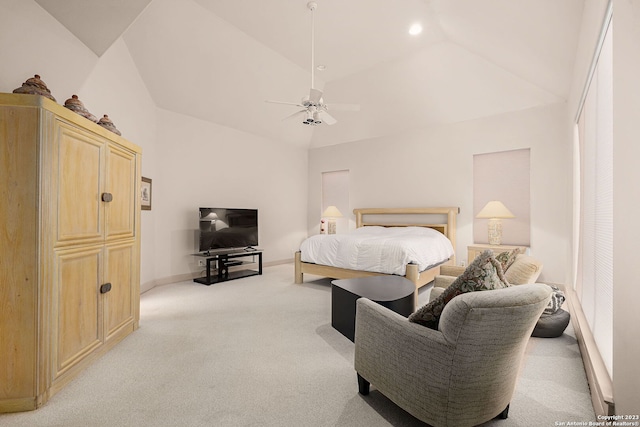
pixel 121 186
pixel 120 299
pixel 77 307
pixel 79 170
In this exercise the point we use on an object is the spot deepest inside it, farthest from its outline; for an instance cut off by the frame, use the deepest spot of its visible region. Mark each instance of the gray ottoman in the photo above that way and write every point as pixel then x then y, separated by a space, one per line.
pixel 394 292
pixel 551 325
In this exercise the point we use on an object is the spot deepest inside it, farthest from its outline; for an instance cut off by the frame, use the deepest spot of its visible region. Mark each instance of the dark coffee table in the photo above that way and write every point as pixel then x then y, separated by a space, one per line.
pixel 394 292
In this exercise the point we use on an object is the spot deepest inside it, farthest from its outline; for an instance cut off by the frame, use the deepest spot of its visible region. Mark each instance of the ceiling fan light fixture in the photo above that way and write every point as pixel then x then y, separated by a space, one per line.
pixel 316 118
pixel 309 120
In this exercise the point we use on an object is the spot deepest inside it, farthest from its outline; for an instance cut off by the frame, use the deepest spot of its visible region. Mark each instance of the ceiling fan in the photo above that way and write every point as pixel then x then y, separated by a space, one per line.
pixel 314 110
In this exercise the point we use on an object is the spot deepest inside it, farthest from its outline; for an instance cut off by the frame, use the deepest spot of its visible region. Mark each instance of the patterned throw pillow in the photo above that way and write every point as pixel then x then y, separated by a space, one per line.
pixel 507 258
pixel 556 301
pixel 484 273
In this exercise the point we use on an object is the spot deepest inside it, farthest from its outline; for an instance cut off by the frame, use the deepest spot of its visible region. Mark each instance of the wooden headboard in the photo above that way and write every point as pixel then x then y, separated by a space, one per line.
pixel 448 228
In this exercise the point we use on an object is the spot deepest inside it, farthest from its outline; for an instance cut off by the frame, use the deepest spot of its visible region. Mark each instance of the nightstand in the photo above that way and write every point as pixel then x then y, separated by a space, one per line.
pixel 476 249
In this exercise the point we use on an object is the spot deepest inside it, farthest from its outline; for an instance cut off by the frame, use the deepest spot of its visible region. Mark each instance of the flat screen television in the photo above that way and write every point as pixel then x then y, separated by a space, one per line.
pixel 225 228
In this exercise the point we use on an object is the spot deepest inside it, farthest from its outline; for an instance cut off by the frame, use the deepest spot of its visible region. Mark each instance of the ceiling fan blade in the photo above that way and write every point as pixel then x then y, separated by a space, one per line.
pixel 296 114
pixel 343 107
pixel 315 95
pixel 327 118
pixel 297 104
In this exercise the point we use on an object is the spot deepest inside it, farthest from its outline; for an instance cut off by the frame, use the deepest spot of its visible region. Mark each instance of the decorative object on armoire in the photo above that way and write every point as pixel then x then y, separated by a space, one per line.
pixel 75 105
pixel 35 86
pixel 495 211
pixel 70 269
pixel 106 123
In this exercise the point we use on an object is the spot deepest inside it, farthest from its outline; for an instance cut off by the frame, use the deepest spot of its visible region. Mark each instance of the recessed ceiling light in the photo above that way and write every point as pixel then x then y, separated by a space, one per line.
pixel 415 29
pixel 321 67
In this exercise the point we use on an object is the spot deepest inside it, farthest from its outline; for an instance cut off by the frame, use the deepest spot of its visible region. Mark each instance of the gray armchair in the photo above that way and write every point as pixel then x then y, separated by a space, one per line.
pixel 460 375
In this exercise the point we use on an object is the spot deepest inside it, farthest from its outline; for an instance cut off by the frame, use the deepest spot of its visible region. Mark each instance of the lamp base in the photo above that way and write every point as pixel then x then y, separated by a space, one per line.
pixel 332 226
pixel 495 231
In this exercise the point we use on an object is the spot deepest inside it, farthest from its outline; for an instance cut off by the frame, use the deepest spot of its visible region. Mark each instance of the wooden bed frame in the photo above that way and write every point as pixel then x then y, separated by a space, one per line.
pixel 418 278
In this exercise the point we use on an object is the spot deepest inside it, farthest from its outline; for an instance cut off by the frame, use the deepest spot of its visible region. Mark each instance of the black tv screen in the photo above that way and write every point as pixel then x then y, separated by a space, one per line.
pixel 224 228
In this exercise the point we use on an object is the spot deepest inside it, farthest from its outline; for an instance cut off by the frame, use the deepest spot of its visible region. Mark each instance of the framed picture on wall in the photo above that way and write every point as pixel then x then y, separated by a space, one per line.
pixel 145 194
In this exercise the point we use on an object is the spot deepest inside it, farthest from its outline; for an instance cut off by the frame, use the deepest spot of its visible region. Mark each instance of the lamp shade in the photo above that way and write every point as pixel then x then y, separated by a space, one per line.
pixel 209 217
pixel 495 209
pixel 332 212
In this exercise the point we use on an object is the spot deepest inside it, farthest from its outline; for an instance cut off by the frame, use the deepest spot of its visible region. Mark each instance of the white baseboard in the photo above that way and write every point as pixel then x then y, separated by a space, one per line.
pixel 144 287
pixel 600 383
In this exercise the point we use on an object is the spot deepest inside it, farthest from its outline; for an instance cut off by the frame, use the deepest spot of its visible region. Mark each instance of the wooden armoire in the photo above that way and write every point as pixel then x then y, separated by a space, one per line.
pixel 69 246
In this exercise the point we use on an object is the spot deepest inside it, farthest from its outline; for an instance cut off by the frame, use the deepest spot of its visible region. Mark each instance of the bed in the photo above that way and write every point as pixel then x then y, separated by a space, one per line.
pixel 388 217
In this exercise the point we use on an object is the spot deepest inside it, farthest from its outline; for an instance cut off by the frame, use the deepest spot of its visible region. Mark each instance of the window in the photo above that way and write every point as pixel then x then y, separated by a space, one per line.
pixel 593 201
pixel 503 176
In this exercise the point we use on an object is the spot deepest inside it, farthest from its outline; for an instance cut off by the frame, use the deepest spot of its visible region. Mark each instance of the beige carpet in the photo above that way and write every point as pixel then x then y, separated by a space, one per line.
pixel 261 351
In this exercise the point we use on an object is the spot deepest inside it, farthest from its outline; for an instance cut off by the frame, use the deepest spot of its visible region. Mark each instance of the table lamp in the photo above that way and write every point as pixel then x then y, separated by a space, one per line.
pixel 331 213
pixel 207 222
pixel 495 211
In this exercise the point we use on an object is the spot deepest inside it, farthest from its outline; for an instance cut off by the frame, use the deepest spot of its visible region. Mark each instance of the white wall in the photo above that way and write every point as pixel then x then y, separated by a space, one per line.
pixel 33 42
pixel 207 165
pixel 434 167
pixel 248 172
pixel 626 205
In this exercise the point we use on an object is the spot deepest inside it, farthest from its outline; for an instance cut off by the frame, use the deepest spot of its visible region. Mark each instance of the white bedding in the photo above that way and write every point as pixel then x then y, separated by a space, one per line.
pixel 379 249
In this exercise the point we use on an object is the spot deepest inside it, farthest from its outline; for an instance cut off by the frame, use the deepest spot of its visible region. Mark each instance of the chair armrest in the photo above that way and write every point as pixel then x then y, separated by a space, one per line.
pixel 378 326
pixel 435 293
pixel 388 346
pixel 443 281
pixel 451 270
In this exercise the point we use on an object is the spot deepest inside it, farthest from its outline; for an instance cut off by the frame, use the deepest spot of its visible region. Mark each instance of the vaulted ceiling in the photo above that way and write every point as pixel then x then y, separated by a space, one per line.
pixel 219 60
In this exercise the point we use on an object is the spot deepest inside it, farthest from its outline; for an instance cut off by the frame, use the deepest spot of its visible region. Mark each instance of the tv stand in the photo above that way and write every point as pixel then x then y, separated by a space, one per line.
pixel 223 259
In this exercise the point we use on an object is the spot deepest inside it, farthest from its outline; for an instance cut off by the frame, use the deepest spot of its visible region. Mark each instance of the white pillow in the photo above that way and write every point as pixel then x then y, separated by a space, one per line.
pixel 525 269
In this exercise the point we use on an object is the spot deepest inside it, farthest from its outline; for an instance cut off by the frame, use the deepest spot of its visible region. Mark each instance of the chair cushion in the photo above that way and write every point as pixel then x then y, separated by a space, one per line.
pixel 525 269
pixel 484 273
